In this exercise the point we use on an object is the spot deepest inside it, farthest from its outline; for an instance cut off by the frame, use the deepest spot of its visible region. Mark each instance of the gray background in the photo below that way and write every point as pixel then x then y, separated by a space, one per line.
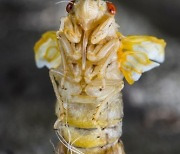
pixel 152 105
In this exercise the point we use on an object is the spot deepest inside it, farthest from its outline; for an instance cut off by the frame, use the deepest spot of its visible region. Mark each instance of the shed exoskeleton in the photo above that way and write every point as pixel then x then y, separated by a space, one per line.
pixel 88 59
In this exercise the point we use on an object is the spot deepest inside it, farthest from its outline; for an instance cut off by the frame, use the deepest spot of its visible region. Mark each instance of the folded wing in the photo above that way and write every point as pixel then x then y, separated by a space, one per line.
pixel 47 51
pixel 139 54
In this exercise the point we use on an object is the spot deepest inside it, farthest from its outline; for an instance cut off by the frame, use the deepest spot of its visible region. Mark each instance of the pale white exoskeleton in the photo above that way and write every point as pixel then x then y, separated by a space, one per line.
pixel 88 59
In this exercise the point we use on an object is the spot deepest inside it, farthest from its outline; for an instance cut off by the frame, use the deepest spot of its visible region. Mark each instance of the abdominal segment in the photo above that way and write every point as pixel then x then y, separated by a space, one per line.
pixel 91 122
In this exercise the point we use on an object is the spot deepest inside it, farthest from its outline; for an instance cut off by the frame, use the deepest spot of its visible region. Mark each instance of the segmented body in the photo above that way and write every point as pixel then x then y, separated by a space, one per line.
pixel 88 60
pixel 90 104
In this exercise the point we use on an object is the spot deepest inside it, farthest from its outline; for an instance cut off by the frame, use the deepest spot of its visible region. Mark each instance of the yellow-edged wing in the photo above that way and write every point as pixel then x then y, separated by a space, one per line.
pixel 139 54
pixel 47 52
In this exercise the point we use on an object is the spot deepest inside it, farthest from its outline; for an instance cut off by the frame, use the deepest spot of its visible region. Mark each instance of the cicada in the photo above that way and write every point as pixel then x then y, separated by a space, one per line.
pixel 88 60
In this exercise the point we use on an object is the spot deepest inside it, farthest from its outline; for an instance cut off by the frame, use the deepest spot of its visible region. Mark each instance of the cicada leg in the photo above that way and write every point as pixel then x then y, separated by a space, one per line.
pixel 99 52
pixel 102 31
pixel 55 86
pixel 107 101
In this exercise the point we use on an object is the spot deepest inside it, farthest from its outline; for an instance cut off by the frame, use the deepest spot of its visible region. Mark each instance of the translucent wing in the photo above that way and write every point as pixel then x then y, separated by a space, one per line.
pixel 139 54
pixel 47 52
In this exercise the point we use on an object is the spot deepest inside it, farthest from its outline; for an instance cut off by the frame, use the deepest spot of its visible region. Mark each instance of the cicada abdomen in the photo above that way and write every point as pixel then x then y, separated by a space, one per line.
pixel 88 60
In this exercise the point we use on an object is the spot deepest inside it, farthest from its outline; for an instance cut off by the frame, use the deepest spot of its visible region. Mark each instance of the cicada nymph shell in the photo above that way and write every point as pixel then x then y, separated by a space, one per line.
pixel 88 59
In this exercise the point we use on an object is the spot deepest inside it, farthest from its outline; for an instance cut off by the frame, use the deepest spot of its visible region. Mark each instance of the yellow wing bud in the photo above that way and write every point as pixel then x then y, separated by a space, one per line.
pixel 152 46
pixel 47 51
pixel 137 55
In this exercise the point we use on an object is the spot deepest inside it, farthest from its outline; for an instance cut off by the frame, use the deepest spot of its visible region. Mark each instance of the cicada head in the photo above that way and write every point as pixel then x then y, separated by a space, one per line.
pixel 89 12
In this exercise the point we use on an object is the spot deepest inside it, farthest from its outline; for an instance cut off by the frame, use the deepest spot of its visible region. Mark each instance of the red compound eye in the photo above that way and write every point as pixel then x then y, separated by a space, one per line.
pixel 69 7
pixel 111 8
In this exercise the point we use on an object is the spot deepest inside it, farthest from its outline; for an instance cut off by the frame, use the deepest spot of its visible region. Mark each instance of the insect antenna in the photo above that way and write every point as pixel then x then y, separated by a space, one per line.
pixel 63 1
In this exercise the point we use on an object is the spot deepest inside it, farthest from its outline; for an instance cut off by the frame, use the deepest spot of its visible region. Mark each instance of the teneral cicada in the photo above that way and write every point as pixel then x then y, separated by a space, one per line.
pixel 88 59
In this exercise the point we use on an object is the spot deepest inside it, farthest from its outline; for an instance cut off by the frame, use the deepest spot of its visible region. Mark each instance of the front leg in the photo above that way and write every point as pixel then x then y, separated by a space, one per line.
pixel 68 47
pixel 107 28
pixel 95 56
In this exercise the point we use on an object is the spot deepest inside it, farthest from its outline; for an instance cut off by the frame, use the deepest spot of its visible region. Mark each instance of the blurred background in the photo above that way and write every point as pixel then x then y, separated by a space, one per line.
pixel 27 100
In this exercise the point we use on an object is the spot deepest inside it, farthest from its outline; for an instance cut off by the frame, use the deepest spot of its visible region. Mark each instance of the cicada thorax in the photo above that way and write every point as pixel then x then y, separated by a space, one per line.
pixel 88 85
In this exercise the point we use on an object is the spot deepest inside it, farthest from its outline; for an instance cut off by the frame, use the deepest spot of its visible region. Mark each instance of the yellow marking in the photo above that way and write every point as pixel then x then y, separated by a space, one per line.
pixel 45 37
pixel 134 61
pixel 47 51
